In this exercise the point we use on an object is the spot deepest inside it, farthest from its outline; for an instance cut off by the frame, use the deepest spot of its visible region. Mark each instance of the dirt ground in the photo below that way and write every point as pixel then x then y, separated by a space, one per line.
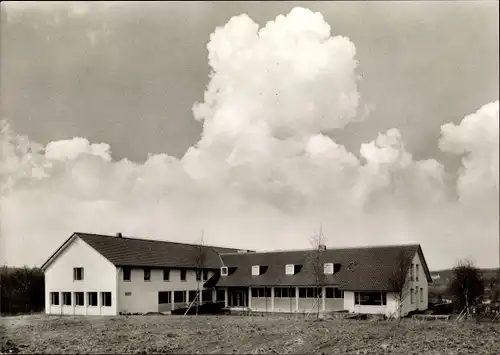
pixel 242 335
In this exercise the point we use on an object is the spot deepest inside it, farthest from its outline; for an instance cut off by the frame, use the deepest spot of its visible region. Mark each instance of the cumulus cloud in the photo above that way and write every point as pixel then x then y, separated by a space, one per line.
pixel 264 173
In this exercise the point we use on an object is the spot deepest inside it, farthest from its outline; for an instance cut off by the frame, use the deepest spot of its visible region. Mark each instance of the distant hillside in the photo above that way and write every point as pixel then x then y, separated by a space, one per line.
pixel 444 277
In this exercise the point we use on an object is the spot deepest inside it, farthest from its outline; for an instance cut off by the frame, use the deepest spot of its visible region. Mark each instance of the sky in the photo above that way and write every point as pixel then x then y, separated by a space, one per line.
pixel 254 122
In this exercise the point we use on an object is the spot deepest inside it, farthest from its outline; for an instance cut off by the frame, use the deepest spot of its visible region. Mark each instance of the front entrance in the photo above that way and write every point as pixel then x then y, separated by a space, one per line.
pixel 238 297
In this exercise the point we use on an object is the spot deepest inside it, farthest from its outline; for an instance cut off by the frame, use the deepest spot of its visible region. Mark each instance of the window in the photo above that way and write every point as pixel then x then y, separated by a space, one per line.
pixel 191 296
pixel 79 299
pixel 309 292
pixel 147 274
pixel 333 292
pixel 164 297
pixel 280 292
pixel 183 274
pixel 411 296
pixel 370 298
pixel 220 295
pixel 67 298
pixel 179 296
pixel 92 298
pixel 166 274
pixel 128 293
pixel 291 292
pixel 263 292
pixel 416 272
pixel 207 296
pixel 54 298
pixel 106 299
pixel 411 273
pixel 127 274
pixel 78 273
pixel 421 294
pixel 205 275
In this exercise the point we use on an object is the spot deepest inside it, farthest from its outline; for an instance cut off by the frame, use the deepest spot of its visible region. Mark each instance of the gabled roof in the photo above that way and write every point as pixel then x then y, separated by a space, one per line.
pixel 124 251
pixel 361 269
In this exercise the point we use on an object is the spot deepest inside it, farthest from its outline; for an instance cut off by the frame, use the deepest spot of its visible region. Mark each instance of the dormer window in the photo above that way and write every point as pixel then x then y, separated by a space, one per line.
pixel 255 270
pixel 328 268
pixel 290 269
pixel 224 271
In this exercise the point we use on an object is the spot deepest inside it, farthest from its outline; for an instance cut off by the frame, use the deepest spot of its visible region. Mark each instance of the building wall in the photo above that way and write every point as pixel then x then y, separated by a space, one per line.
pixel 99 276
pixel 143 296
pixel 391 309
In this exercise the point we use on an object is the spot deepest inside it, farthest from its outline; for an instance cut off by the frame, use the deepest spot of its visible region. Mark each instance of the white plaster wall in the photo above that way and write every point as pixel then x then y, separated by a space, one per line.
pixel 144 294
pixel 392 302
pixel 99 276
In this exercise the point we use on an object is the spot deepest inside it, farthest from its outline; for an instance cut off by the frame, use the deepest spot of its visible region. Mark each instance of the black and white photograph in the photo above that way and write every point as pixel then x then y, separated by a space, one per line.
pixel 249 177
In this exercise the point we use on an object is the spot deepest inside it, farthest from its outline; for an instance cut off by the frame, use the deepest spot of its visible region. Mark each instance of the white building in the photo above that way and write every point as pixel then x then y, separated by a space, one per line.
pixel 107 275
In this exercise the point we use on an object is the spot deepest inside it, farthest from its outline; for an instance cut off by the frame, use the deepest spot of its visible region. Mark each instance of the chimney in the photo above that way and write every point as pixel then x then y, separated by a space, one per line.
pixel 119 235
pixel 322 247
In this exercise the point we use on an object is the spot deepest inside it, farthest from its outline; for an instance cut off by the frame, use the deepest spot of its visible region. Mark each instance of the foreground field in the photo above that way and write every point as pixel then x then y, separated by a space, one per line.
pixel 249 335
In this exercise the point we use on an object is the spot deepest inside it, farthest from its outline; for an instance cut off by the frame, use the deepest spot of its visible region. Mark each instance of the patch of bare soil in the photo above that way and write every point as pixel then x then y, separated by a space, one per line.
pixel 243 335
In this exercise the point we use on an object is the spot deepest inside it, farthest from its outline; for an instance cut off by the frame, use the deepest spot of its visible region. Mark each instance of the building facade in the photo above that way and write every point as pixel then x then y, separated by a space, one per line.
pixel 110 275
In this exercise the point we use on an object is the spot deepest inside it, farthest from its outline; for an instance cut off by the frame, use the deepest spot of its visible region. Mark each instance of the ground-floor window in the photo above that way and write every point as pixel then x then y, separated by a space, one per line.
pixel 221 295
pixel 79 299
pixel 333 292
pixel 207 296
pixel 261 292
pixel 67 298
pixel 370 298
pixel 191 296
pixel 92 298
pixel 284 292
pixel 309 292
pixel 179 296
pixel 54 298
pixel 164 297
pixel 106 299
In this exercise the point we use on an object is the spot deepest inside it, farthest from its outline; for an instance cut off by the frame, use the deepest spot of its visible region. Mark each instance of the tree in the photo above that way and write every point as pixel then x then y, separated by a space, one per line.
pixel 200 264
pixel 314 261
pixel 467 285
pixel 399 280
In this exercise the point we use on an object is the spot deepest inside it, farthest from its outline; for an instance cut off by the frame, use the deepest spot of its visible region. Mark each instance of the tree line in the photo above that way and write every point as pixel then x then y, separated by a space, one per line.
pixel 22 290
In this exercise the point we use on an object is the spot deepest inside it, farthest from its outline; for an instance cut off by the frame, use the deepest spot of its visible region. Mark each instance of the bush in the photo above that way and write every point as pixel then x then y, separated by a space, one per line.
pixel 22 290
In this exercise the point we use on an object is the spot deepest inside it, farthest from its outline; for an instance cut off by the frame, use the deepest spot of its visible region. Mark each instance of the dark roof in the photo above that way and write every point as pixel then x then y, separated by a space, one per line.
pixel 124 251
pixel 361 269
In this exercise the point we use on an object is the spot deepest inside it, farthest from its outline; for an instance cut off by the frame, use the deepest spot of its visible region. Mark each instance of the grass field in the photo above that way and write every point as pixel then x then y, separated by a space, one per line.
pixel 249 335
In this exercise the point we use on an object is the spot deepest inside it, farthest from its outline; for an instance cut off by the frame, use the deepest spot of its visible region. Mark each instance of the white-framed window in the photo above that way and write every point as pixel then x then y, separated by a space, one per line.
pixel 284 292
pixel 421 294
pixel 179 296
pixel 370 298
pixel 260 292
pixel 127 274
pixel 411 296
pixel 106 299
pixel 309 292
pixel 92 299
pixel 166 275
pixel 333 292
pixel 416 272
pixel 66 298
pixel 164 297
pixel 78 274
pixel 147 274
pixel 79 299
pixel 54 298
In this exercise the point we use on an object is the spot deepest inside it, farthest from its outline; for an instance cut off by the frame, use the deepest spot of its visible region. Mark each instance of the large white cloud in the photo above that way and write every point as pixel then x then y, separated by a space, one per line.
pixel 264 173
